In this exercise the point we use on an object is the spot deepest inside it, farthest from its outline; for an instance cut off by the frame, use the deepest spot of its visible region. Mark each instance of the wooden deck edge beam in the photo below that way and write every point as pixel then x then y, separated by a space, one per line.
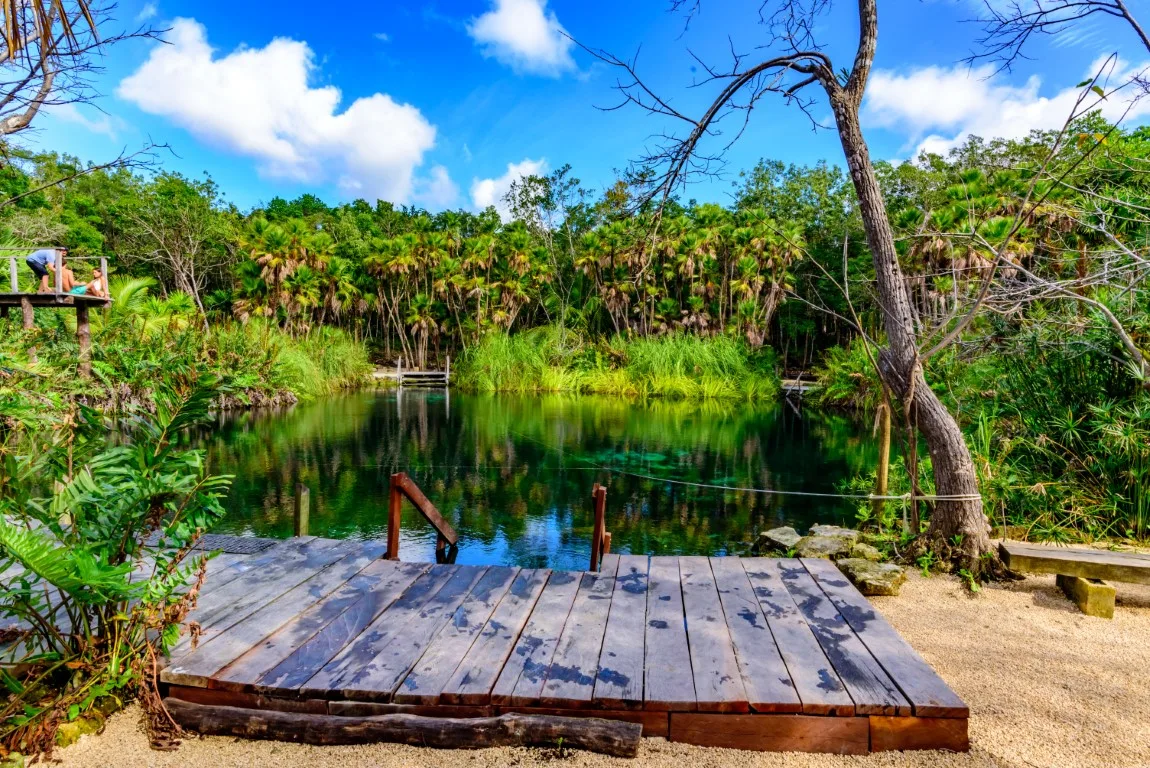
pixel 855 735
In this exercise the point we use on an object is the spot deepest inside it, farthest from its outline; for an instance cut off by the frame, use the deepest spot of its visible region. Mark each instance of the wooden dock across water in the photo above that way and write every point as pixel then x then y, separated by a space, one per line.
pixel 753 653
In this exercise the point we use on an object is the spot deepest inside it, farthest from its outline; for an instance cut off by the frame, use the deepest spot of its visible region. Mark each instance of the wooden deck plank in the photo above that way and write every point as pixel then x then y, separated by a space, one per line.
pixel 818 686
pixel 668 684
pixel 265 569
pixel 866 681
pixel 425 682
pixel 718 683
pixel 928 694
pixel 619 682
pixel 575 665
pixel 520 683
pixel 258 587
pixel 475 676
pixel 765 676
pixel 1130 567
pixel 286 659
pixel 222 649
pixel 371 666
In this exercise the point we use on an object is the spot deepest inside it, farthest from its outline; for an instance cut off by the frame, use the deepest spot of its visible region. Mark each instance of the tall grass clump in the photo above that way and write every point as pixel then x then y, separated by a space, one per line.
pixel 680 366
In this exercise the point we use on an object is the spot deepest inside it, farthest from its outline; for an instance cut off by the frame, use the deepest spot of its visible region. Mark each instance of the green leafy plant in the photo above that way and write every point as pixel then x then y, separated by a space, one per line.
pixel 96 540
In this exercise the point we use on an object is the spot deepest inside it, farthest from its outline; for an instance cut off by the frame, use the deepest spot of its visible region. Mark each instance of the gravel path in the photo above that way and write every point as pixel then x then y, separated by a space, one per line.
pixel 1047 686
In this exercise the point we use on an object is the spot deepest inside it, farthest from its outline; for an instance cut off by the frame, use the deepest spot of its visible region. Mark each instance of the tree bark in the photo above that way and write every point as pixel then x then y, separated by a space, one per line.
pixel 957 524
pixel 607 737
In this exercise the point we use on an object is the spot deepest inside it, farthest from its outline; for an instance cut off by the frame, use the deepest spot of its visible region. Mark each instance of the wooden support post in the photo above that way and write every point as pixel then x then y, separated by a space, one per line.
pixel 447 375
pixel 399 369
pixel 599 500
pixel 880 484
pixel 84 336
pixel 29 324
pixel 394 511
pixel 13 274
pixel 606 542
pixel 59 273
pixel 4 312
pixel 104 272
pixel 302 509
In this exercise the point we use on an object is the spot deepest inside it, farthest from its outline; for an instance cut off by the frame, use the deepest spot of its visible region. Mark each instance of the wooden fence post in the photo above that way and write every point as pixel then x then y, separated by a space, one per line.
pixel 84 336
pixel 394 510
pixel 302 509
pixel 399 374
pixel 599 500
pixel 13 274
pixel 447 375
pixel 59 273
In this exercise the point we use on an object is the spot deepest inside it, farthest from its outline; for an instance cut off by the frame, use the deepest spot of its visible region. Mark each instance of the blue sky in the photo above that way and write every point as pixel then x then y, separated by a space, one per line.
pixel 441 104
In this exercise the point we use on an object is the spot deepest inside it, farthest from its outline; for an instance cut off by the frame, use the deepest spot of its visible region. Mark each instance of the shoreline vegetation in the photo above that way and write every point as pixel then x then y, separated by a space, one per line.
pixel 677 366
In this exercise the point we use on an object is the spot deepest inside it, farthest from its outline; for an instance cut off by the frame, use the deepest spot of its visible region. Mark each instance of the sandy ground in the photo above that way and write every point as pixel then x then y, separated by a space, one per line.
pixel 1046 685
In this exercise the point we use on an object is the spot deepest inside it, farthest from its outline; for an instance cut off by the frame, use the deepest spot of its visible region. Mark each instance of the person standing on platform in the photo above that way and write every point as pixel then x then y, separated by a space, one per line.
pixel 43 264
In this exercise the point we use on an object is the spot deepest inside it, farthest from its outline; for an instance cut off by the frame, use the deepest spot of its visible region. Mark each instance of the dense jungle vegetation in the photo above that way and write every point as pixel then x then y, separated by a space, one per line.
pixel 572 292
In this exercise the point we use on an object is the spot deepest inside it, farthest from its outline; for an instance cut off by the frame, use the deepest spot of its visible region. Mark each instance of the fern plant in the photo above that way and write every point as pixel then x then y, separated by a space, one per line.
pixel 96 563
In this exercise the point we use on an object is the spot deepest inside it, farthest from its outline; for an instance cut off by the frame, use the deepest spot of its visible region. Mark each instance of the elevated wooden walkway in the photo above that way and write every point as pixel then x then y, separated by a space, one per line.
pixel 756 653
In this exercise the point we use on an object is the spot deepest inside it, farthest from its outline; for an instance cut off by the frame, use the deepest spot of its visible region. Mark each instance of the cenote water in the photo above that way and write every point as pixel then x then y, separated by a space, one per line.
pixel 514 474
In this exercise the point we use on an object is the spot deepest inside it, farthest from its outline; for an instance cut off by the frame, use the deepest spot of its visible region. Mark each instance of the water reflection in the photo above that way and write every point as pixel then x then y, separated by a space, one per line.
pixel 514 474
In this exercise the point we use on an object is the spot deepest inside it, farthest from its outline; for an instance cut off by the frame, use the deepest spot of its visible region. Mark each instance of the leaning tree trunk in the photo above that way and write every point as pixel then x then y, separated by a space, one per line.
pixel 956 524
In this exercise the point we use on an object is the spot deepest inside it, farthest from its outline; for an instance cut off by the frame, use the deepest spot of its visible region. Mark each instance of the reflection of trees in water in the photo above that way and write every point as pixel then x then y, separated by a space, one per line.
pixel 514 472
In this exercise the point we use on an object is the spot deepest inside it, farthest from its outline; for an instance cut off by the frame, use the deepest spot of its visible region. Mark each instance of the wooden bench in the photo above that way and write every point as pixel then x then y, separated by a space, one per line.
pixel 1083 574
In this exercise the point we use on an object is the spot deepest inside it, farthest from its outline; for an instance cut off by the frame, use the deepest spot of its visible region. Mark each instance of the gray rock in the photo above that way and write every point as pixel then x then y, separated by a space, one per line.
pixel 866 552
pixel 834 530
pixel 823 546
pixel 778 540
pixel 873 578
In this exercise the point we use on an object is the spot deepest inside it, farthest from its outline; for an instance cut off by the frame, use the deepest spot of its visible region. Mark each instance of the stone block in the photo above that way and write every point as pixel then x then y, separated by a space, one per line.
pixel 1093 597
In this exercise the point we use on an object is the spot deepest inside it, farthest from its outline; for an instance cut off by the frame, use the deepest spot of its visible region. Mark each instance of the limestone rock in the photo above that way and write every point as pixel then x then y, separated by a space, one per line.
pixel 873 578
pixel 782 540
pixel 866 552
pixel 834 530
pixel 823 546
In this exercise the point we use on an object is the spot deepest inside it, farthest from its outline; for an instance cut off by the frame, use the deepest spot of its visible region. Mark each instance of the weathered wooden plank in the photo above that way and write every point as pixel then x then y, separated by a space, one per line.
pixel 818 686
pixel 301 647
pixel 426 681
pixel 225 647
pixel 256 588
pixel 905 733
pixel 773 733
pixel 619 682
pixel 1085 563
pixel 214 697
pixel 667 683
pixel 866 681
pixel 718 683
pixel 765 676
pixel 928 694
pixel 520 683
pixel 373 708
pixel 610 562
pixel 261 573
pixel 654 723
pixel 371 666
pixel 605 736
pixel 476 674
pixel 575 665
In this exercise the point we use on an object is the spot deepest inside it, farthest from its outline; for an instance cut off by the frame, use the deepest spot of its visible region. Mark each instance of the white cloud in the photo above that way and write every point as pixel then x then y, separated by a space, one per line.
pixel 382 37
pixel 524 36
pixel 105 125
pixel 437 191
pixel 936 108
pixel 147 12
pixel 485 192
pixel 258 102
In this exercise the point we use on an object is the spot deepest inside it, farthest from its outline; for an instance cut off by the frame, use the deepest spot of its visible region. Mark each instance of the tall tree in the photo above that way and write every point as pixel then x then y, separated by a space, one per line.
pixel 958 525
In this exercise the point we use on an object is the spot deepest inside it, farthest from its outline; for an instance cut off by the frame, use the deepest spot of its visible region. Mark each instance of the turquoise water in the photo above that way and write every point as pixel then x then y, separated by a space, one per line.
pixel 513 474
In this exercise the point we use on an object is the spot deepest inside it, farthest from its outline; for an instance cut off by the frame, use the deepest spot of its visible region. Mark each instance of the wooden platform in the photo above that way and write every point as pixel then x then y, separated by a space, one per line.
pixel 51 300
pixel 755 653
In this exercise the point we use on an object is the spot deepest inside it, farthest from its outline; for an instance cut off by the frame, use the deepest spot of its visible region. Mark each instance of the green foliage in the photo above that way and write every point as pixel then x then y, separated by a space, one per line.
pixel 847 379
pixel 95 546
pixel 676 366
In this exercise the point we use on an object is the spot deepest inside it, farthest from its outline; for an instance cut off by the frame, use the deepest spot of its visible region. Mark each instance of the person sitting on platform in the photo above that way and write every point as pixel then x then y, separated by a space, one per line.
pixel 93 288
pixel 43 263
